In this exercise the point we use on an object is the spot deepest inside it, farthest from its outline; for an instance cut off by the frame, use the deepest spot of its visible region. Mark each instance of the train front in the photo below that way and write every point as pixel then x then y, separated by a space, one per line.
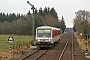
pixel 43 37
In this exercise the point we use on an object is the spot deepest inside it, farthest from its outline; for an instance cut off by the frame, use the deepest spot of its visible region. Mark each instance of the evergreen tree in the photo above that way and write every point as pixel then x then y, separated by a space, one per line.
pixel 12 17
pixel 74 29
pixel 48 9
pixel 29 13
pixel 40 11
pixel 53 13
pixel 36 11
pixel 18 15
pixel 1 17
pixel 45 10
pixel 63 26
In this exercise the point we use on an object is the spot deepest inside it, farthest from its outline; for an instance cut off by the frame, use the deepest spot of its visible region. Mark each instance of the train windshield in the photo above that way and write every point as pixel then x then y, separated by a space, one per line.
pixel 43 33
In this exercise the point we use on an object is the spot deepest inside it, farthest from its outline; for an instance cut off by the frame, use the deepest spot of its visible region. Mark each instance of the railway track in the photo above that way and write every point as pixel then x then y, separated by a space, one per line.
pixel 56 51
pixel 63 50
pixel 69 52
pixel 28 55
pixel 35 55
pixel 66 49
pixel 72 51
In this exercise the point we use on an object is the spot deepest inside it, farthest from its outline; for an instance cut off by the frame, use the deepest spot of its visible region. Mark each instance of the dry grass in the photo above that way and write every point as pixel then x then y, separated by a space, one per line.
pixel 82 43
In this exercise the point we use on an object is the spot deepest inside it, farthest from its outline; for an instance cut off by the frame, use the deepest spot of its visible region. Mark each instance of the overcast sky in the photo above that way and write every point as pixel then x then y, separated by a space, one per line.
pixel 65 8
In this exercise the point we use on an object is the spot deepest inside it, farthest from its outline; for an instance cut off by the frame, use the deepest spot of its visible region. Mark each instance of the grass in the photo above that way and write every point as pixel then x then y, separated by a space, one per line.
pixel 18 39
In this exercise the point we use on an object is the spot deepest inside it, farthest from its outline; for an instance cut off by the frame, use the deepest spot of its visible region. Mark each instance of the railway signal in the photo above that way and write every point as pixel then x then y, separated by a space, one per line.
pixel 10 39
pixel 32 8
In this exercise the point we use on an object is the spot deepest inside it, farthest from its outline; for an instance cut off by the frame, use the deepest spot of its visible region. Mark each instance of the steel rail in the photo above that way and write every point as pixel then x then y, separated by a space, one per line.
pixel 34 53
pixel 40 55
pixel 44 53
pixel 28 55
pixel 72 48
pixel 64 49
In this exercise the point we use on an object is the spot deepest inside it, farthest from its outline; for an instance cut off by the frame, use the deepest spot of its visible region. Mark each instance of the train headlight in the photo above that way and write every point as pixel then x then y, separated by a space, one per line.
pixel 38 40
pixel 49 40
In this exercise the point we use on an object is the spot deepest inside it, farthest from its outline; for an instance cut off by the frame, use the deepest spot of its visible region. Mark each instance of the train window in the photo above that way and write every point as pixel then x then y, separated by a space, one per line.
pixel 40 31
pixel 43 33
pixel 47 31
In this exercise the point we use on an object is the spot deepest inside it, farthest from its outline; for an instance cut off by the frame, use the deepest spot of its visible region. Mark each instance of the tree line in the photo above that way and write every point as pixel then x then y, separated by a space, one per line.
pixel 82 22
pixel 22 24
pixel 9 17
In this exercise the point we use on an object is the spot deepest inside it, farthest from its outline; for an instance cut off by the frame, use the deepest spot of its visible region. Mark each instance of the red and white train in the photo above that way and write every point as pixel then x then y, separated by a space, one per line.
pixel 47 36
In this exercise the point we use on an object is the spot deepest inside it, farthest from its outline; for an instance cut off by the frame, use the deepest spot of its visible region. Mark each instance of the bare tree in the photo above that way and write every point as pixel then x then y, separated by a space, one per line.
pixel 81 22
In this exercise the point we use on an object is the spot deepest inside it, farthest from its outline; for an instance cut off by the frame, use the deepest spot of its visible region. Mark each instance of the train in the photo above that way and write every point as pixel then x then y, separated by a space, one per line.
pixel 47 36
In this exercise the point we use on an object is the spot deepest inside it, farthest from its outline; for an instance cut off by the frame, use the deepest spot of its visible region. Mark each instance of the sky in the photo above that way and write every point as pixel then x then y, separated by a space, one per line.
pixel 65 8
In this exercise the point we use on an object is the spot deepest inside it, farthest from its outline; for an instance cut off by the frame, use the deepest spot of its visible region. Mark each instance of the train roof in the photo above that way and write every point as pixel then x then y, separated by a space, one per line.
pixel 42 27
